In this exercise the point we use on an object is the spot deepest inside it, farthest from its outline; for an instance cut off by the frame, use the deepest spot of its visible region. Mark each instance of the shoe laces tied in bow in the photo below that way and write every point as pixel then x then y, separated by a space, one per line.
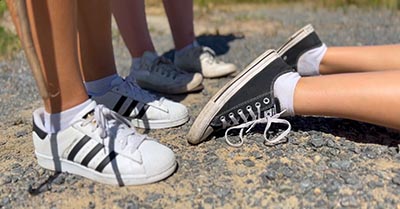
pixel 107 120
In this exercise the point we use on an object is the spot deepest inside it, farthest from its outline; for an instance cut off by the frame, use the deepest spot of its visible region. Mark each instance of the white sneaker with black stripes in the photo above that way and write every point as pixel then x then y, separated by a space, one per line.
pixel 144 109
pixel 103 147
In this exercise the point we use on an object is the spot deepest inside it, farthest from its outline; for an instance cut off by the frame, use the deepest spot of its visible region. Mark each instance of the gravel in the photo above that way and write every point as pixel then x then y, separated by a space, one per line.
pixel 326 163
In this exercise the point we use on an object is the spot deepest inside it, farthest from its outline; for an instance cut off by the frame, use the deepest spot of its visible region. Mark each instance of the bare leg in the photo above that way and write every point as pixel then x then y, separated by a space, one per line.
pixel 53 25
pixel 180 18
pixel 360 59
pixel 131 20
pixel 372 97
pixel 95 39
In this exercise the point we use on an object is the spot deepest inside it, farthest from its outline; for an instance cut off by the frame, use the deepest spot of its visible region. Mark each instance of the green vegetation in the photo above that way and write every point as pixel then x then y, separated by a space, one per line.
pixel 391 4
pixel 8 41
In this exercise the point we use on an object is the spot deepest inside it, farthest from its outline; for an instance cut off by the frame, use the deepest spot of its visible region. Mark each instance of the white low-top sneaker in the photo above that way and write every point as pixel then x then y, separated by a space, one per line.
pixel 102 146
pixel 203 60
pixel 145 110
pixel 161 75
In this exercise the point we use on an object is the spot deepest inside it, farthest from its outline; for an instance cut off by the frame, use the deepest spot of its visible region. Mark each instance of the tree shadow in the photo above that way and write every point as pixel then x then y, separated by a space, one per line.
pixel 355 131
pixel 218 43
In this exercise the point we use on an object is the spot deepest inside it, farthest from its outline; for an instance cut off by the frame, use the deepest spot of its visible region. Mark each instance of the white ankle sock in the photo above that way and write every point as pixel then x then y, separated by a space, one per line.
pixel 59 121
pixel 308 64
pixel 284 90
pixel 184 49
pixel 100 86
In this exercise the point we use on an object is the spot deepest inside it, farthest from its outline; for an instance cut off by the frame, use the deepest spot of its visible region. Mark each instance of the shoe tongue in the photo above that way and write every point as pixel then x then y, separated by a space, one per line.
pixel 149 57
pixel 117 81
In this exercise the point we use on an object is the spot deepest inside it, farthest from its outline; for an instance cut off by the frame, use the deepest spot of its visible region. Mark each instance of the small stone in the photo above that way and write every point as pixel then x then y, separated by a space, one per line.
pixel 396 180
pixel 349 179
pixel 248 163
pixel 331 144
pixel 287 172
pixel 349 201
pixel 60 179
pixel 317 158
pixel 92 205
pixel 306 184
pixel 249 181
pixel 285 188
pixel 257 155
pixel 270 175
pixel 21 134
pixel 375 184
pixel 154 197
pixel 209 200
pixel 317 142
pixel 7 180
pixel 317 191
pixel 5 201
pixel 370 153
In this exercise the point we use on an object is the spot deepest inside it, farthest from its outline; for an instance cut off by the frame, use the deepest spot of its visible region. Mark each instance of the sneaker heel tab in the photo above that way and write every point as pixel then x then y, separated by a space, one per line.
pixel 37 126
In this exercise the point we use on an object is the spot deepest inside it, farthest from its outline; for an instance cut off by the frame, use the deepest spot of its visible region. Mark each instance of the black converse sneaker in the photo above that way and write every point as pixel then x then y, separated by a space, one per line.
pixel 101 145
pixel 300 42
pixel 245 101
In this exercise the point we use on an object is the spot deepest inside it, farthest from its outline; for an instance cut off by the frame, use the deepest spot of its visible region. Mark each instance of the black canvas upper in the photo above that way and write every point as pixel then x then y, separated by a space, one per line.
pixel 255 90
pixel 293 54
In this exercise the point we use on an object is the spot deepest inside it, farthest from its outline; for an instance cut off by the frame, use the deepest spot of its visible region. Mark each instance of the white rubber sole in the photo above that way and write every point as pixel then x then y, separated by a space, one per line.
pixel 200 128
pixel 295 38
pixel 159 124
pixel 76 168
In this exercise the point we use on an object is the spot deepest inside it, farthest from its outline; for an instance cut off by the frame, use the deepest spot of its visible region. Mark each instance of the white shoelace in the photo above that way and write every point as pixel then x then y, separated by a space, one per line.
pixel 105 120
pixel 251 124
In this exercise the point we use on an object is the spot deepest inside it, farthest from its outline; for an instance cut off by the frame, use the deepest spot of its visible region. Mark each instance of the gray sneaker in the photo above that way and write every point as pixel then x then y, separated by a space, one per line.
pixel 161 75
pixel 203 60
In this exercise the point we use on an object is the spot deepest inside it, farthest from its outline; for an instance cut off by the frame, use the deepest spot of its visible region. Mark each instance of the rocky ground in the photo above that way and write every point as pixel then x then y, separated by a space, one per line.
pixel 326 163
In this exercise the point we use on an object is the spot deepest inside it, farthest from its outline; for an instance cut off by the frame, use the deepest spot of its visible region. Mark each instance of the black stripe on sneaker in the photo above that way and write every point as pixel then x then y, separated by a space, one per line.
pixel 78 147
pixel 128 111
pixel 38 131
pixel 106 161
pixel 91 154
pixel 142 111
pixel 119 103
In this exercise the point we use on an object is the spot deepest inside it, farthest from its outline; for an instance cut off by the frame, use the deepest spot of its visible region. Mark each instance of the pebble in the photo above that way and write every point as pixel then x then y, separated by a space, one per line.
pixel 396 179
pixel 317 142
pixel 248 163
pixel 349 201
pixel 21 134
pixel 7 180
pixel 375 184
pixel 60 179
pixel 154 197
pixel 5 201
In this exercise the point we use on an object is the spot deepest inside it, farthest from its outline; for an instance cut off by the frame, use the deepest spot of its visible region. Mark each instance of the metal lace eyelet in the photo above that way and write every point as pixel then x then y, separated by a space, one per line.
pixel 231 114
pixel 258 104
pixel 248 108
pixel 222 118
pixel 266 101
pixel 239 111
